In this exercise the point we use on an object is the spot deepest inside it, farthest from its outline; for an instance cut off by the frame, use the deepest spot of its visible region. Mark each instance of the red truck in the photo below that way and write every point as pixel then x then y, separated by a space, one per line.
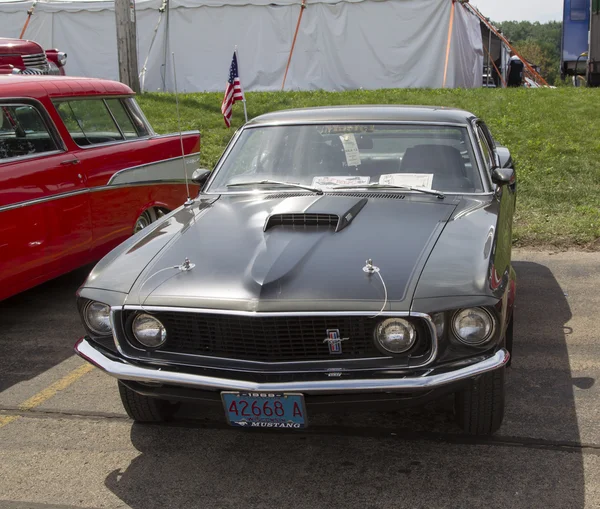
pixel 20 56
pixel 81 170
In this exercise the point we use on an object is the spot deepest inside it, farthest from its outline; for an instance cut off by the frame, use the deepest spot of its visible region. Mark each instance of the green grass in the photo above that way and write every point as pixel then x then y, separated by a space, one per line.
pixel 553 134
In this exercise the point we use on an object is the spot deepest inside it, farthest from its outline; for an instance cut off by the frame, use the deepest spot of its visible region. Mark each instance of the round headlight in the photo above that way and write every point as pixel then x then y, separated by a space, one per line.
pixel 97 318
pixel 473 326
pixel 149 331
pixel 396 335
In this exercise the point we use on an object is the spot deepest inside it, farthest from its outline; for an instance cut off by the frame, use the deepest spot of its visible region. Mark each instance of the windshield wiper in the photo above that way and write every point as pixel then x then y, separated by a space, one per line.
pixel 277 183
pixel 375 185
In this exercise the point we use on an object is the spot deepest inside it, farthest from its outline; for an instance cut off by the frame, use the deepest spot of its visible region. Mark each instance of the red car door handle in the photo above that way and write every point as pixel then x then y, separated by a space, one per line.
pixel 70 161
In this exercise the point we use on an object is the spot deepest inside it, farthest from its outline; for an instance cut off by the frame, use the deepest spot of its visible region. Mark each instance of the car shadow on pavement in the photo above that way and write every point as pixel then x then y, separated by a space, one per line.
pixel 413 458
pixel 39 328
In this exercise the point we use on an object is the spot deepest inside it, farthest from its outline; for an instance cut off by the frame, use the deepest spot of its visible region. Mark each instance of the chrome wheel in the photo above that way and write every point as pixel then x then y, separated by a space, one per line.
pixel 147 217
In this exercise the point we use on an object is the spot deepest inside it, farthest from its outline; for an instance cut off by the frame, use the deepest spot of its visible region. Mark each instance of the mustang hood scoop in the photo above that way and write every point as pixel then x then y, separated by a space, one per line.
pixel 335 214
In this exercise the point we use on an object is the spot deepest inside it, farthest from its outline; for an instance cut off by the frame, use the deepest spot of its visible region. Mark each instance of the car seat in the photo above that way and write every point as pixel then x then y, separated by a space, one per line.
pixel 443 161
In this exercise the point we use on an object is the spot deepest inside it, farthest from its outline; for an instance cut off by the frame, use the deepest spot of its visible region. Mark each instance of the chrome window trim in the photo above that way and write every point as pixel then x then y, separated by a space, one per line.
pixel 44 199
pixel 29 157
pixel 480 156
pixel 423 316
pixel 467 125
pixel 114 119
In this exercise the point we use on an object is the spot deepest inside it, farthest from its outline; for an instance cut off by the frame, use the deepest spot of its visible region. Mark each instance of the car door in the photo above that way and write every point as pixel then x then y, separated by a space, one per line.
pixel 506 198
pixel 108 141
pixel 44 208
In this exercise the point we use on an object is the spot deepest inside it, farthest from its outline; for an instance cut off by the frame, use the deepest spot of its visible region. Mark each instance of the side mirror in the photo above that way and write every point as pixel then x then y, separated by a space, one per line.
pixel 200 176
pixel 504 156
pixel 503 176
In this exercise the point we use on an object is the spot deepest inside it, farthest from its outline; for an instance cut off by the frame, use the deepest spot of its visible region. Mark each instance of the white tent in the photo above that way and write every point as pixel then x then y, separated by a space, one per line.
pixel 341 44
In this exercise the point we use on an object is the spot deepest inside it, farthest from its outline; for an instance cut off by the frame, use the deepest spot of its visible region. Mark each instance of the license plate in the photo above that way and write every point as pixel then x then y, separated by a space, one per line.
pixel 264 410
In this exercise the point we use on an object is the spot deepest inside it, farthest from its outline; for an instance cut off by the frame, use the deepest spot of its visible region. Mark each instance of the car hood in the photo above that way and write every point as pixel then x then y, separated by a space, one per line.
pixel 244 259
pixel 19 47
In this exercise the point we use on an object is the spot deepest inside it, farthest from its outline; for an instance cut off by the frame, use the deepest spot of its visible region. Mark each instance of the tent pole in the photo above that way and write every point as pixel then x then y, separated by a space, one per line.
pixel 497 70
pixel 533 72
pixel 244 99
pixel 161 10
pixel 29 14
pixel 302 7
pixel 489 56
pixel 450 28
pixel 166 48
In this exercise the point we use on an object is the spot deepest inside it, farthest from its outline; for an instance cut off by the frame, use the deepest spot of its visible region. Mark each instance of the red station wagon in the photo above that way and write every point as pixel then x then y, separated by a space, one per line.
pixel 80 171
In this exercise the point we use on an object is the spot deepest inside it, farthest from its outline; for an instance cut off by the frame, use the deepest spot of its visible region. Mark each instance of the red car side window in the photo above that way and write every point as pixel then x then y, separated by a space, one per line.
pixel 23 132
pixel 89 121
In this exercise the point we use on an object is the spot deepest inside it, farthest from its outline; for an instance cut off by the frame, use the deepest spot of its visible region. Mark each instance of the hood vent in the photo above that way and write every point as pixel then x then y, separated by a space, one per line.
pixel 371 195
pixel 302 220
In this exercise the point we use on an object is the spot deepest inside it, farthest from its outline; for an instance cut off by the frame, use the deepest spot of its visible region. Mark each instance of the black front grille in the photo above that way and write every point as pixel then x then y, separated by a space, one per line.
pixel 302 220
pixel 266 339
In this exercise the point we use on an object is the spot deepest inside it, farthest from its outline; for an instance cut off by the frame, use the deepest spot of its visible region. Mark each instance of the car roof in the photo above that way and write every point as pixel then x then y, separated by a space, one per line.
pixel 366 113
pixel 58 86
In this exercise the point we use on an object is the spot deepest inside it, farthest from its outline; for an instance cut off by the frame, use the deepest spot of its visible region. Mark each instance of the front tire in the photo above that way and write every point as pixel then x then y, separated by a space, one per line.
pixel 479 408
pixel 143 408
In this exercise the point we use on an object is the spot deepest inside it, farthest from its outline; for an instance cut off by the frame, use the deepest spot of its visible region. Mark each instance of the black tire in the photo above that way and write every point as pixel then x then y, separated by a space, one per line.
pixel 144 408
pixel 479 408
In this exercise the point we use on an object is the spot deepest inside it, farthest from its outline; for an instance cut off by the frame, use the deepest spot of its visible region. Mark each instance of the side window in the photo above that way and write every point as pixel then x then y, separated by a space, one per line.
pixel 23 132
pixel 486 151
pixel 126 122
pixel 89 122
pixel 579 10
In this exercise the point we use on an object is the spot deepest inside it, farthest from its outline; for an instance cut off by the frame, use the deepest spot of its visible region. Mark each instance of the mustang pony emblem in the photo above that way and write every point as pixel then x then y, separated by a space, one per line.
pixel 334 341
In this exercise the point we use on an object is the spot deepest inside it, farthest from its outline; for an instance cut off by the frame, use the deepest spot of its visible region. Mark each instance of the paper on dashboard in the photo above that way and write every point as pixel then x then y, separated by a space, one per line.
pixel 424 180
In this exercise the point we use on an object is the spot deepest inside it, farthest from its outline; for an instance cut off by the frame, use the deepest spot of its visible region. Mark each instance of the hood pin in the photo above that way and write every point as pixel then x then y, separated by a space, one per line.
pixel 369 268
pixel 186 265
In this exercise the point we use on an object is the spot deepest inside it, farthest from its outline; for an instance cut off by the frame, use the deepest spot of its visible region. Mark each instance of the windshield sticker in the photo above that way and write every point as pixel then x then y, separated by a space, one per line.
pixel 350 149
pixel 325 182
pixel 342 128
pixel 424 180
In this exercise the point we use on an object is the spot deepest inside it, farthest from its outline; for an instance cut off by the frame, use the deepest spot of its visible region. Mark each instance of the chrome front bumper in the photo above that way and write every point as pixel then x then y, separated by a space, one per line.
pixel 125 371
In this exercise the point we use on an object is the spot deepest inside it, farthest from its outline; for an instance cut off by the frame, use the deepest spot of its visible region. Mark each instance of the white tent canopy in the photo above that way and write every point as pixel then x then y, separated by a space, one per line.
pixel 341 44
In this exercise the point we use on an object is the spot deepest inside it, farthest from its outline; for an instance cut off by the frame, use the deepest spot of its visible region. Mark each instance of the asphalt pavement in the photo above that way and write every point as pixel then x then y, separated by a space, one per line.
pixel 65 441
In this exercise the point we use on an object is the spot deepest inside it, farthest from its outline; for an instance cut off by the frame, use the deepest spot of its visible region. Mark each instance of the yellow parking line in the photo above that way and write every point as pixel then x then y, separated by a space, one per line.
pixel 7 419
pixel 57 386
pixel 48 392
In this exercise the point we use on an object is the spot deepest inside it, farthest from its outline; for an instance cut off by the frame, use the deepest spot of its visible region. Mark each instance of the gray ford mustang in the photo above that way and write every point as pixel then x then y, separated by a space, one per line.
pixel 335 256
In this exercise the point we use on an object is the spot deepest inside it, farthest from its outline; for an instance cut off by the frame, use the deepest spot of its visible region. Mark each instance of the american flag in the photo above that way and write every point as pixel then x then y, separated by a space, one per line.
pixel 233 92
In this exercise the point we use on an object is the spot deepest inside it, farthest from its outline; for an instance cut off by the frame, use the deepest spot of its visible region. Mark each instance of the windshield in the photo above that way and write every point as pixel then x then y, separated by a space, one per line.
pixel 326 156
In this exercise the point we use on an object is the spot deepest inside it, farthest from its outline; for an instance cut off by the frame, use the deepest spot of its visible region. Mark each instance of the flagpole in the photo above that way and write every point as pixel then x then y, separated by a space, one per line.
pixel 243 100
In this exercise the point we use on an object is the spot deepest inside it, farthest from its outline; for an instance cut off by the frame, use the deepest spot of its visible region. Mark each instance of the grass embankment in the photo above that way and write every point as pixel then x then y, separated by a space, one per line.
pixel 554 136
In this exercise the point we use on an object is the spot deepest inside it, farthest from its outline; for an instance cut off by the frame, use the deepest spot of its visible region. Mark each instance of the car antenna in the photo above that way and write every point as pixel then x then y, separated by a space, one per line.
pixel 189 200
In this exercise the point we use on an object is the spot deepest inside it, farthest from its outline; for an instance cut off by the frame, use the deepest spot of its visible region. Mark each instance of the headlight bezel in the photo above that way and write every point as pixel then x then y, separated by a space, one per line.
pixel 134 334
pixel 90 326
pixel 61 58
pixel 481 312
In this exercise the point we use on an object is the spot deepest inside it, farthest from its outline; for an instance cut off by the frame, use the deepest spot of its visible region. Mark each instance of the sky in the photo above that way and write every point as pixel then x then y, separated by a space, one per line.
pixel 520 10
